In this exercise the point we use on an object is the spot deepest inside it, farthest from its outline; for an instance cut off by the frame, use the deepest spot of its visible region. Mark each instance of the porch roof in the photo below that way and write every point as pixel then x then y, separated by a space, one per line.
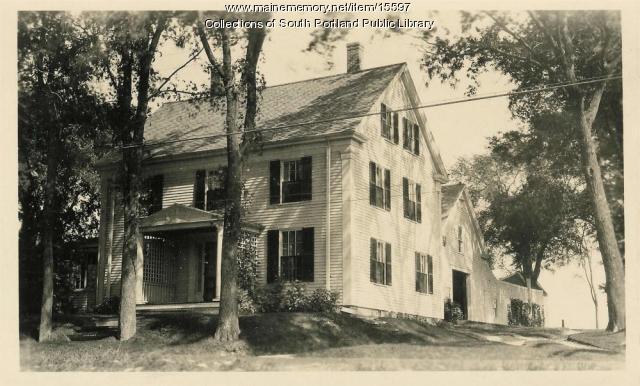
pixel 179 217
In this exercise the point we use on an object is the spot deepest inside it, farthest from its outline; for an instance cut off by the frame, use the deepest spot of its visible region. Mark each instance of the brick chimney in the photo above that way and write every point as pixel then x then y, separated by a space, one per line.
pixel 354 57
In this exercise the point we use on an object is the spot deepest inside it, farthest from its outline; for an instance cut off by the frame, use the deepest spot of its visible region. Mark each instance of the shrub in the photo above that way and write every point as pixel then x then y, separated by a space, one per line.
pixel 269 297
pixel 294 298
pixel 452 311
pixel 246 305
pixel 322 300
pixel 109 305
pixel 519 314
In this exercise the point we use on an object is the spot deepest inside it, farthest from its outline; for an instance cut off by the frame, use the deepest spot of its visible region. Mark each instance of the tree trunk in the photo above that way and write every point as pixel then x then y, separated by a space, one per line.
pixel 611 257
pixel 46 310
pixel 228 329
pixel 132 164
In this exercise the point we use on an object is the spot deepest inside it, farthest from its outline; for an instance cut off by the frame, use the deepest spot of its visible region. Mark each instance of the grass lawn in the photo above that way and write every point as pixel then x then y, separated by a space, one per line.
pixel 302 341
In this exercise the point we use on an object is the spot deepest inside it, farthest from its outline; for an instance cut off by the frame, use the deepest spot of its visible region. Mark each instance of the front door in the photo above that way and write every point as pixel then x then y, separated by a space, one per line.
pixel 209 272
pixel 460 291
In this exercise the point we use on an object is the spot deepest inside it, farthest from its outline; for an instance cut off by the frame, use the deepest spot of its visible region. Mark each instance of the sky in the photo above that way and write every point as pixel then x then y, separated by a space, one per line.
pixel 460 130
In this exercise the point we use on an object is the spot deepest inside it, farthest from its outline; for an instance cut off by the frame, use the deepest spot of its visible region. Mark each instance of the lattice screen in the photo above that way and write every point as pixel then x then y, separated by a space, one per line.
pixel 158 265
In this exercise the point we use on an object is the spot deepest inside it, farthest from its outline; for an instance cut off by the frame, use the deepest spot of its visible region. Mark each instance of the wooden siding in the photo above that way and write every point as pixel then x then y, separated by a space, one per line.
pixel 487 297
pixel 406 236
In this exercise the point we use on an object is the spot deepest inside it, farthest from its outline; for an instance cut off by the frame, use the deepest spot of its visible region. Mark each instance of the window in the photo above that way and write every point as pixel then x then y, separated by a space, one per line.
pixel 460 240
pixel 379 186
pixel 380 262
pixel 388 123
pixel 79 273
pixel 209 193
pixel 290 180
pixel 410 136
pixel 151 198
pixel 412 199
pixel 424 273
pixel 444 241
pixel 290 254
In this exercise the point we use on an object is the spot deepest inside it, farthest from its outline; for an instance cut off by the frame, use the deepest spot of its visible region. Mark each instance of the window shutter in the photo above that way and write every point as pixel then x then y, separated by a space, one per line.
pixel 430 273
pixel 387 189
pixel 307 254
pixel 373 259
pixel 272 255
pixel 274 182
pixel 405 196
pixel 198 190
pixel 405 133
pixel 388 263
pixel 395 128
pixel 383 118
pixel 372 183
pixel 418 286
pixel 416 139
pixel 418 203
pixel 305 179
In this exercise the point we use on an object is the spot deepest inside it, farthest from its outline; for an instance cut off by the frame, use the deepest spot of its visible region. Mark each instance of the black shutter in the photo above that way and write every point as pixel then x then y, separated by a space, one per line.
pixel 156 193
pixel 388 263
pixel 274 182
pixel 416 139
pixel 395 128
pixel 430 274
pixel 418 204
pixel 198 189
pixel 372 183
pixel 405 133
pixel 405 196
pixel 417 272
pixel 272 255
pixel 373 259
pixel 307 254
pixel 305 179
pixel 383 118
pixel 387 189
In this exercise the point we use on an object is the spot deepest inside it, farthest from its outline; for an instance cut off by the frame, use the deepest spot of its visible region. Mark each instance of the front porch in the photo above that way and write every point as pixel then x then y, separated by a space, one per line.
pixel 181 259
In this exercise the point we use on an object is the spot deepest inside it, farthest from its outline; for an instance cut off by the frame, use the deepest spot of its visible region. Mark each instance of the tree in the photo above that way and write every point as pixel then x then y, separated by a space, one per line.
pixel 240 137
pixel 540 48
pixel 525 213
pixel 58 127
pixel 130 42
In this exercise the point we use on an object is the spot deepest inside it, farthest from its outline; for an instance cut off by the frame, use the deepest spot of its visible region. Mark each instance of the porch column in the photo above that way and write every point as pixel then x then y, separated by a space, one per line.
pixel 219 232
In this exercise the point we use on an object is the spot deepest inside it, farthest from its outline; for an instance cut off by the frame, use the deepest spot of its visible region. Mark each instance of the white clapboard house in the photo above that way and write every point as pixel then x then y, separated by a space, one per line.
pixel 354 199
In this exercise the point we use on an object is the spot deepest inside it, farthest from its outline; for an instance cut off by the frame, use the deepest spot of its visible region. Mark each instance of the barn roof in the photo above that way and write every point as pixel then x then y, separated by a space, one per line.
pixel 450 194
pixel 518 279
pixel 313 100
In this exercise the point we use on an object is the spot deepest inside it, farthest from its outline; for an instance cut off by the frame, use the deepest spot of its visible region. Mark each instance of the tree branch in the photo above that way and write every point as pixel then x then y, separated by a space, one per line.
pixel 166 80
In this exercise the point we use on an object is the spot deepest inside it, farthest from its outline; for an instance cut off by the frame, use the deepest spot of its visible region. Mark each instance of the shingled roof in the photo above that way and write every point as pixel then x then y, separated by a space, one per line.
pixel 450 194
pixel 518 279
pixel 313 100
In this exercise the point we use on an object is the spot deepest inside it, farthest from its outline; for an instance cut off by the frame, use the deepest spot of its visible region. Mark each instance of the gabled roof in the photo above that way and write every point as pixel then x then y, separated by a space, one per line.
pixel 450 194
pixel 314 100
pixel 518 279
pixel 179 216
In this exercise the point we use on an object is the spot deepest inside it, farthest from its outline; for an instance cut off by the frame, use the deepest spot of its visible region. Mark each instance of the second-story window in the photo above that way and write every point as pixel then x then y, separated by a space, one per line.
pixel 290 180
pixel 412 200
pixel 151 198
pixel 379 186
pixel 208 191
